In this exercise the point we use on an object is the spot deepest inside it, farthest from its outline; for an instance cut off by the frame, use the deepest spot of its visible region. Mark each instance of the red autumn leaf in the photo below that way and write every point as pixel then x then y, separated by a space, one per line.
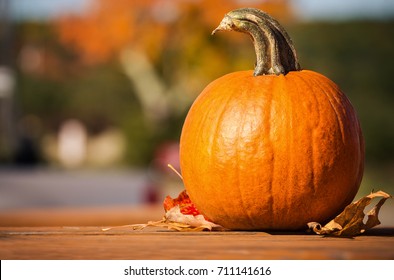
pixel 185 204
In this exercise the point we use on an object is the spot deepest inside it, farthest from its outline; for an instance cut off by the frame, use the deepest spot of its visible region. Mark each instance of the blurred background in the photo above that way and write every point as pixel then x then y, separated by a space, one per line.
pixel 93 94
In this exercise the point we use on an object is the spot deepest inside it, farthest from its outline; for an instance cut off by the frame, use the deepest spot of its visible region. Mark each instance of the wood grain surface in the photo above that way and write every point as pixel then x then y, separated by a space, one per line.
pixel 124 243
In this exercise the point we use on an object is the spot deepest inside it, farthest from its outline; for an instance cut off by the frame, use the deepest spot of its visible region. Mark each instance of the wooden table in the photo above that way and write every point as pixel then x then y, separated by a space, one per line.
pixel 124 243
pixel 73 233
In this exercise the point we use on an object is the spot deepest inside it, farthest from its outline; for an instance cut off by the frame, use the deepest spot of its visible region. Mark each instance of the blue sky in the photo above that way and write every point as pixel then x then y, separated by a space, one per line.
pixel 306 9
pixel 43 9
pixel 342 9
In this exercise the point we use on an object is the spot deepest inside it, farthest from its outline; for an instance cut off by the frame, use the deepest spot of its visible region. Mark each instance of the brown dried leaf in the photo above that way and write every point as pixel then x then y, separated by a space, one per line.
pixel 175 215
pixel 175 220
pixel 350 222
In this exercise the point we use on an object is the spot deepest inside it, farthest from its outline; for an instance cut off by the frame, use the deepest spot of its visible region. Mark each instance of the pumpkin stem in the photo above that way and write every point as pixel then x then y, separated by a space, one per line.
pixel 275 51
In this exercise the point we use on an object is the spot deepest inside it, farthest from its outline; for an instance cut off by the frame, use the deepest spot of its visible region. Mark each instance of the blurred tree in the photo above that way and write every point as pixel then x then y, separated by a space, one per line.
pixel 115 54
pixel 143 33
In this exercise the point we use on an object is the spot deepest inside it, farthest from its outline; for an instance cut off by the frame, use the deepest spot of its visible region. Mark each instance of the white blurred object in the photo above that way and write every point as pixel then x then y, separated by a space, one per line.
pixel 7 82
pixel 106 149
pixel 72 141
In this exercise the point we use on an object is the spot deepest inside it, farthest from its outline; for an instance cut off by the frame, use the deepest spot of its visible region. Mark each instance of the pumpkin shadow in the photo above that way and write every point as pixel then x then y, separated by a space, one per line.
pixel 380 231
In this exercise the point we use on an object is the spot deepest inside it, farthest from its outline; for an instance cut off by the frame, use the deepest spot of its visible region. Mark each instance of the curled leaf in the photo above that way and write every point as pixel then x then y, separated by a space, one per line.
pixel 191 222
pixel 350 222
pixel 180 215
pixel 186 206
pixel 174 219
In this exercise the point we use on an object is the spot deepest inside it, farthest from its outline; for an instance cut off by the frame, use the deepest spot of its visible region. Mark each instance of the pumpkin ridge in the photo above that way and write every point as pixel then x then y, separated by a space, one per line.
pixel 294 100
pixel 270 146
pixel 313 142
pixel 201 126
pixel 312 93
pixel 343 101
pixel 218 122
pixel 340 97
pixel 272 197
pixel 238 175
pixel 203 120
pixel 338 116
pixel 331 98
pixel 316 82
pixel 290 137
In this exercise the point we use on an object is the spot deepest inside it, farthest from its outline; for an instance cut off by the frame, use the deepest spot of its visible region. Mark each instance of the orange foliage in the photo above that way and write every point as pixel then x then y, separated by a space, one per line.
pixel 110 26
pixel 214 10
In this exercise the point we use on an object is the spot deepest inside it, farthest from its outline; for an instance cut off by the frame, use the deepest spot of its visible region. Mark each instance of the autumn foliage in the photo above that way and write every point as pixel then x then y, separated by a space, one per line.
pixel 148 25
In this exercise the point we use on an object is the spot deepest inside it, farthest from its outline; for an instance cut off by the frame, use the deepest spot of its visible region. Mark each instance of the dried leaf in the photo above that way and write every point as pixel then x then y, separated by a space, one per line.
pixel 174 215
pixel 180 215
pixel 350 222
pixel 183 201
pixel 175 220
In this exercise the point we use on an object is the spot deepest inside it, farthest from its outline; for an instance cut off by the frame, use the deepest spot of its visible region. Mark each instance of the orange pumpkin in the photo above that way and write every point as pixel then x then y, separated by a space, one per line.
pixel 274 149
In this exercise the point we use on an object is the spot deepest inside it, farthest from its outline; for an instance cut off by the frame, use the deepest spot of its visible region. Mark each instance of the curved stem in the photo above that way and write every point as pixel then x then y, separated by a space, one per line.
pixel 274 49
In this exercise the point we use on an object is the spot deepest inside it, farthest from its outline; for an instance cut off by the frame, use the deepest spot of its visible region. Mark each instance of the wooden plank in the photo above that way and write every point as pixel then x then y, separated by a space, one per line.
pixel 110 215
pixel 123 243
pixel 81 216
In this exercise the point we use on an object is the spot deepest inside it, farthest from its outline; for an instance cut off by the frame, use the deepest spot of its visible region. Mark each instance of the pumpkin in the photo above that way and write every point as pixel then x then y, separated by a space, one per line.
pixel 271 149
